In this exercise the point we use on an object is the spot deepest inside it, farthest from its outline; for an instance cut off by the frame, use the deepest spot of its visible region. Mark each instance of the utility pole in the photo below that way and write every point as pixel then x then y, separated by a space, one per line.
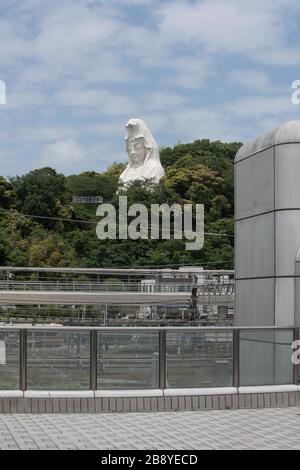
pixel 194 300
pixel 83 313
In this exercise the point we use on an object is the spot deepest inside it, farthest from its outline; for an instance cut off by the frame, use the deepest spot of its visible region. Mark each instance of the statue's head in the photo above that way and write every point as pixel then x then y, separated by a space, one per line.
pixel 143 153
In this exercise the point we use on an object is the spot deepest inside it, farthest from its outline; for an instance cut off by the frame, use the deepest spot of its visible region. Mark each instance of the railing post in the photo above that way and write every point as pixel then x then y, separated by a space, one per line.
pixel 23 360
pixel 236 358
pixel 162 359
pixel 296 375
pixel 93 360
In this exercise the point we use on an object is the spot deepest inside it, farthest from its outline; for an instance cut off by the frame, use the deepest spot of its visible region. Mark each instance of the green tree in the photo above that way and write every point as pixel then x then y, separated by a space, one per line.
pixel 196 173
pixel 41 193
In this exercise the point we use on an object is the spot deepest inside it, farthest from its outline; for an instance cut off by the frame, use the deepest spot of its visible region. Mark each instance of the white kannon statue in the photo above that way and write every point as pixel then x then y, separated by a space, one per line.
pixel 143 154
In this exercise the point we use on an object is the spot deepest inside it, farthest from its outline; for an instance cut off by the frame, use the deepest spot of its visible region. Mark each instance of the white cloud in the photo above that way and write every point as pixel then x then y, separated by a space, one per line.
pixel 70 31
pixel 222 26
pixel 282 56
pixel 191 72
pixel 68 156
pixel 45 133
pixel 104 101
pixel 18 98
pixel 259 106
pixel 205 123
pixel 63 155
pixel 254 79
pixel 163 101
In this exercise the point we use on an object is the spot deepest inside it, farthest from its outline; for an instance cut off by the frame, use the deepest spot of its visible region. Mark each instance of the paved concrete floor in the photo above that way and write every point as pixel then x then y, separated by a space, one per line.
pixel 234 429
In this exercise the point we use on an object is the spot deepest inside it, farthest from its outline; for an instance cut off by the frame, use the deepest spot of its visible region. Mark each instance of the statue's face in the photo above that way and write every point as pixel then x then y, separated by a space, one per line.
pixel 138 153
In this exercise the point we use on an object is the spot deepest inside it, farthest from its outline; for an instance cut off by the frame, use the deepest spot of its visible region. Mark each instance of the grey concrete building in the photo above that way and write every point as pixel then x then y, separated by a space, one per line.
pixel 267 224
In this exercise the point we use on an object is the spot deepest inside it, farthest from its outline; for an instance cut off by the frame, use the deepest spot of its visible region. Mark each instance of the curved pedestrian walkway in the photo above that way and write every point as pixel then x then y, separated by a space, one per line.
pixel 188 430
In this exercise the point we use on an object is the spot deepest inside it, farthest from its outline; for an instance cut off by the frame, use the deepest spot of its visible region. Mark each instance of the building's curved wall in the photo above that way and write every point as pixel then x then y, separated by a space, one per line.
pixel 267 227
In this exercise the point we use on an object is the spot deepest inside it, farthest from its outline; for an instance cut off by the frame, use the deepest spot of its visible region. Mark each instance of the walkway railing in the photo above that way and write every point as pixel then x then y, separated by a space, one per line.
pixel 63 358
pixel 89 286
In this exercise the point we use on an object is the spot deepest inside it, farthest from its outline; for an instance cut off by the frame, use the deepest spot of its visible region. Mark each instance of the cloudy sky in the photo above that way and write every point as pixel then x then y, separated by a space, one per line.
pixel 77 70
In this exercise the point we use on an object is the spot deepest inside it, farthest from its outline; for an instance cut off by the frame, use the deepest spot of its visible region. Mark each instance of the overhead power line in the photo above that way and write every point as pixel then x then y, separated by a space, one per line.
pixel 90 222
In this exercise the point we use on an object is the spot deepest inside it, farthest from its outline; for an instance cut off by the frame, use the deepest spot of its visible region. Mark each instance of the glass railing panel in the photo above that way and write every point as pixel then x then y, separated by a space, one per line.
pixel 58 360
pixel 128 360
pixel 199 359
pixel 266 357
pixel 9 360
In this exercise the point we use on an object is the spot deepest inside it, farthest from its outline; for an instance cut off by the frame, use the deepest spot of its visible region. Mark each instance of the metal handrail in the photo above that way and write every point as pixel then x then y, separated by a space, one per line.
pixel 89 286
pixel 205 289
pixel 147 329
pixel 162 335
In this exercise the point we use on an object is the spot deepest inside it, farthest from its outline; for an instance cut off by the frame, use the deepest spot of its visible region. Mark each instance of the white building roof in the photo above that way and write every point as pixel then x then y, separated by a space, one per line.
pixel 287 133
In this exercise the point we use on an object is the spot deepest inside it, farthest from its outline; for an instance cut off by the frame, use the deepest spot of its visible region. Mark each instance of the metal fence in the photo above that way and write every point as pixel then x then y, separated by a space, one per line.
pixel 63 358
pixel 90 286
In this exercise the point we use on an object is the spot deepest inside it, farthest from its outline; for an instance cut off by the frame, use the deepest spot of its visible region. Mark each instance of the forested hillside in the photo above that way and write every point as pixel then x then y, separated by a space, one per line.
pixel 40 226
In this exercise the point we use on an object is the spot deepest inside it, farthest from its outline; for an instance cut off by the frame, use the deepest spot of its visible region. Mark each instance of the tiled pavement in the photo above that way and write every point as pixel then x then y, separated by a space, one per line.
pixel 188 430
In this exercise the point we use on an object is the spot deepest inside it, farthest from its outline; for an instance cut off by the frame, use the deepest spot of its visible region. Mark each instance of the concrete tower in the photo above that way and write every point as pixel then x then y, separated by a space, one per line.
pixel 267 227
